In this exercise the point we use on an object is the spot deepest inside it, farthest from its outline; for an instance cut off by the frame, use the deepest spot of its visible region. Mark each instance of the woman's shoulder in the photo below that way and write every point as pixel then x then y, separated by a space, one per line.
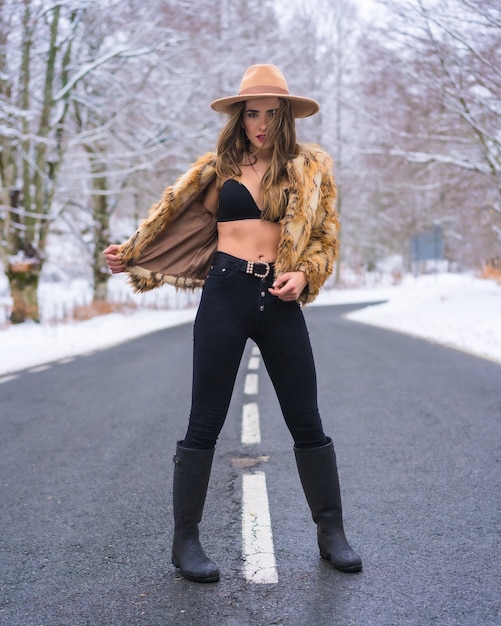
pixel 315 152
pixel 200 173
pixel 209 158
pixel 311 156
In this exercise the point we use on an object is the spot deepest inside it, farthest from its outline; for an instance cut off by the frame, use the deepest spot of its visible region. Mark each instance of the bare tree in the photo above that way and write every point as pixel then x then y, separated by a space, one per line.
pixel 49 57
pixel 438 80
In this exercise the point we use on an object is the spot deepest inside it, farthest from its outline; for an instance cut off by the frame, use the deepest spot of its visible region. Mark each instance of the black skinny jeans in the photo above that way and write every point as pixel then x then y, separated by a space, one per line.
pixel 234 307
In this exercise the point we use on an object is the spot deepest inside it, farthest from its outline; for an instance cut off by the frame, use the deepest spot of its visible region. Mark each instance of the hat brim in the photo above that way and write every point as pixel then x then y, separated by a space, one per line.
pixel 301 107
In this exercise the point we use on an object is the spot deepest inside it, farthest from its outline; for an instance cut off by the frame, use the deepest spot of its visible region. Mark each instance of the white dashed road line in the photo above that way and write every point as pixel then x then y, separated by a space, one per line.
pixel 251 432
pixel 251 385
pixel 260 565
pixel 254 363
pixel 257 537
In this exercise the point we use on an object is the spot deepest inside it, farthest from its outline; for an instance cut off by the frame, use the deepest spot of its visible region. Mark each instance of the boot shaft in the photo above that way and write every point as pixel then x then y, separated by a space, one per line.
pixel 191 479
pixel 317 469
pixel 192 470
pixel 318 473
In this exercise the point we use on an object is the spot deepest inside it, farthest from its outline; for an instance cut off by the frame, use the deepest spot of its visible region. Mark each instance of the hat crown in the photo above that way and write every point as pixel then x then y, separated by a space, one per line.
pixel 264 78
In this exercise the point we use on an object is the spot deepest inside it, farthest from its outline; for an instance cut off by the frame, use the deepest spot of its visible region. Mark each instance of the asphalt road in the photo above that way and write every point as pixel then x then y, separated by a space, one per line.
pixel 85 489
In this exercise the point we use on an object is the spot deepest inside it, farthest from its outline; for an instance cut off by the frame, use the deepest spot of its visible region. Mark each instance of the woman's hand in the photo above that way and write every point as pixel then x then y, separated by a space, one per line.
pixel 289 286
pixel 113 259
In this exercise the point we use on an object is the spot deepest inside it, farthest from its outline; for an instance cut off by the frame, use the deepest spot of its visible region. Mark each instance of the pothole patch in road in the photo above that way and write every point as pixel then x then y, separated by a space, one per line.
pixel 246 462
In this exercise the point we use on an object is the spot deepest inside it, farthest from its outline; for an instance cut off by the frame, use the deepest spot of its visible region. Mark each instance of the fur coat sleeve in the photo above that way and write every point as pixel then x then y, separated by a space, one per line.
pixel 176 242
pixel 310 227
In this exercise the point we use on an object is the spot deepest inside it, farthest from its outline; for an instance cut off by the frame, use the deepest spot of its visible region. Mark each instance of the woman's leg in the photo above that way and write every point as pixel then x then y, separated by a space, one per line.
pixel 286 350
pixel 219 341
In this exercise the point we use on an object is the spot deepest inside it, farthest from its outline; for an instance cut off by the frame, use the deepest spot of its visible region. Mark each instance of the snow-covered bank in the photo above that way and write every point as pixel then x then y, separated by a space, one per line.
pixel 455 310
pixel 27 345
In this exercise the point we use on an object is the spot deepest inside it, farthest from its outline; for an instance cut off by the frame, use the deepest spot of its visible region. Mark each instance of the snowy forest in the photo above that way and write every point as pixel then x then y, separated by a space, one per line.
pixel 105 102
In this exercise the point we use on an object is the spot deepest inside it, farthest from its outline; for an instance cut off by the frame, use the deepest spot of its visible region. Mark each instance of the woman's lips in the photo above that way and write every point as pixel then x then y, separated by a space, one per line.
pixel 261 138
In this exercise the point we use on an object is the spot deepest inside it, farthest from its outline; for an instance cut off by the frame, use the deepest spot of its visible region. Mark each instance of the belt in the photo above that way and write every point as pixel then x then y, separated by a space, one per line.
pixel 260 270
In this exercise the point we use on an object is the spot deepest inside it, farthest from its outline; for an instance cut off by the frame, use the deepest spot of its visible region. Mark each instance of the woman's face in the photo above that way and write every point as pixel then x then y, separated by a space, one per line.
pixel 255 118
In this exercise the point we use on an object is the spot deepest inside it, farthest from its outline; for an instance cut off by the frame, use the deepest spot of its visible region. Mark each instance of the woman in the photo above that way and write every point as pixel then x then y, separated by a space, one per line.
pixel 255 224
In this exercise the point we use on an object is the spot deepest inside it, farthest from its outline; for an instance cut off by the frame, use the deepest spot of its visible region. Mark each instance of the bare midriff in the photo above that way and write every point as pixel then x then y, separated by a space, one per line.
pixel 252 240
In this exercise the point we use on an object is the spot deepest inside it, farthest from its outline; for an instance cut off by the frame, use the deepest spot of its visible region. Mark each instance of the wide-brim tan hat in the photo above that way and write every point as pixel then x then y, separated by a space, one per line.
pixel 261 81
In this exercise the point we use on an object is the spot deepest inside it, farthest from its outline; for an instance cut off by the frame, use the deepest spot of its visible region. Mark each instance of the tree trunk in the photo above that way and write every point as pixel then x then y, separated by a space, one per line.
pixel 23 283
pixel 100 287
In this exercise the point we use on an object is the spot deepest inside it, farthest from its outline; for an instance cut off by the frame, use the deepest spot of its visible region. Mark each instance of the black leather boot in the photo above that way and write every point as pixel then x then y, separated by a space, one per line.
pixel 191 479
pixel 318 473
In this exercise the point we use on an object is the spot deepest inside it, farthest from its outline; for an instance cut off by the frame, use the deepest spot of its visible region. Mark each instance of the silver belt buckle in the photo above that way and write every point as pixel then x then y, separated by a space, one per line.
pixel 250 269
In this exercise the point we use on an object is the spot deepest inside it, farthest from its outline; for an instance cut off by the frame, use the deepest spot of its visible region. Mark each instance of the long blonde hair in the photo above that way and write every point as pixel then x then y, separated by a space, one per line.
pixel 233 145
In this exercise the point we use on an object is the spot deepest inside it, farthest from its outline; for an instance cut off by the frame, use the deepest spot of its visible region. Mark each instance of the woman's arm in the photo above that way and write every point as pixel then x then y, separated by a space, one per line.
pixel 318 256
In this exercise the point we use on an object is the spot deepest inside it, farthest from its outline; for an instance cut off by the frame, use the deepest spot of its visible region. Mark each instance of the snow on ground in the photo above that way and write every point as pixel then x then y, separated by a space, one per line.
pixel 456 310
